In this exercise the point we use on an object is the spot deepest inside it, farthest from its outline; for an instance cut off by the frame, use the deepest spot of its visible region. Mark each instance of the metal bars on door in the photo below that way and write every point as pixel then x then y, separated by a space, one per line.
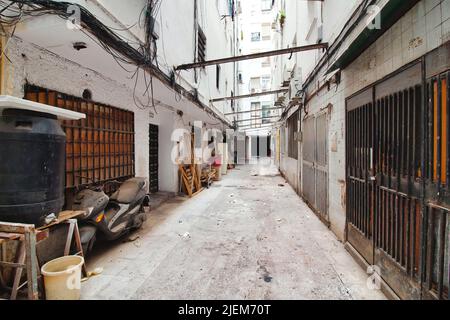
pixel 315 164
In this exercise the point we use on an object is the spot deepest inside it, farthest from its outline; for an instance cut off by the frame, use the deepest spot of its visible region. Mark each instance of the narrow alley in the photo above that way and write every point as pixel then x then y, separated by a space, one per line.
pixel 248 237
pixel 227 149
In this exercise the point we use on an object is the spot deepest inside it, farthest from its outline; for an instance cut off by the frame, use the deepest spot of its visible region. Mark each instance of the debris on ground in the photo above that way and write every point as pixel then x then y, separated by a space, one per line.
pixel 135 239
pixel 90 274
pixel 132 238
pixel 281 185
pixel 186 235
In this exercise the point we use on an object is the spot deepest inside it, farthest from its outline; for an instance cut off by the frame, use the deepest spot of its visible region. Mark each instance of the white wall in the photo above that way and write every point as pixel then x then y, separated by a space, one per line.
pixel 176 43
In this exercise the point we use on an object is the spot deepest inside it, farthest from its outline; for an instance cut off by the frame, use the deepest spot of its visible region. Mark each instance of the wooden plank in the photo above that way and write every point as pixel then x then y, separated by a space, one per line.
pixel 31 261
pixel 10 236
pixel 64 216
pixel 79 246
pixel 18 274
pixel 252 56
pixel 12 264
pixel 69 236
pixel 16 227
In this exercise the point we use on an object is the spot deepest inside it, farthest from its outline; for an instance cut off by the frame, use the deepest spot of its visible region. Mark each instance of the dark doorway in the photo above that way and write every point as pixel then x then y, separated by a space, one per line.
pixel 153 158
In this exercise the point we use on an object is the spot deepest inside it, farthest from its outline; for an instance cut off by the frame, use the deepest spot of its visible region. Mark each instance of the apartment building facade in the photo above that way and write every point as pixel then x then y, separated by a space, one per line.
pixel 114 60
pixel 256 19
pixel 364 139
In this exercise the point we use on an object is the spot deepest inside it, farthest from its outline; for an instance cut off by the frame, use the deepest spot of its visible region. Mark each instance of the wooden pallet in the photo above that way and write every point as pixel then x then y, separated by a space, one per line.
pixel 190 179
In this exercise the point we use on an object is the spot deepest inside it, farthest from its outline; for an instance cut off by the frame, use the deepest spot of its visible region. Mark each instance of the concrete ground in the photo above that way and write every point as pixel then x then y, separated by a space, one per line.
pixel 247 237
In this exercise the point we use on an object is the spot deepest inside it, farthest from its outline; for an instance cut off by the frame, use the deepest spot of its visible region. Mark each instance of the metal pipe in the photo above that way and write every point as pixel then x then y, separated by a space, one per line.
pixel 261 128
pixel 251 95
pixel 252 56
pixel 256 126
pixel 259 110
pixel 258 119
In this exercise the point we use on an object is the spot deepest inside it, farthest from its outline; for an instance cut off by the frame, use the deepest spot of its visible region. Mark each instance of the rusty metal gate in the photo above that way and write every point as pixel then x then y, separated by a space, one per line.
pixel 398 190
pixel 360 173
pixel 397 181
pixel 315 164
pixel 437 174
pixel 384 127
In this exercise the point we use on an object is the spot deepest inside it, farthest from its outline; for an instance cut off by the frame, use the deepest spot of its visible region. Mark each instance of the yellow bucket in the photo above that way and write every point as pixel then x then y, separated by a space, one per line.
pixel 62 278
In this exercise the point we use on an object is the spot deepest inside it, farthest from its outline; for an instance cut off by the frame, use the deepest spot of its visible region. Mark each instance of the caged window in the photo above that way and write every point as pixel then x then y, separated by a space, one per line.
pixel 99 148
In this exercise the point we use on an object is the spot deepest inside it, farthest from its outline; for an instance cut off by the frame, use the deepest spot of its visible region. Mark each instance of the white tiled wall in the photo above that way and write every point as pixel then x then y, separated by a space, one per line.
pixel 424 28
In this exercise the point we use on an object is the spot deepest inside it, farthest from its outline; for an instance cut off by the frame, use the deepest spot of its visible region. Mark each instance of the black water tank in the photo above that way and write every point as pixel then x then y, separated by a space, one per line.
pixel 32 166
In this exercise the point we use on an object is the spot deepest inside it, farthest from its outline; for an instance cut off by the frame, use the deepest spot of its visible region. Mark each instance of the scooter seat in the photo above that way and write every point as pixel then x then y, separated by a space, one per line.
pixel 129 190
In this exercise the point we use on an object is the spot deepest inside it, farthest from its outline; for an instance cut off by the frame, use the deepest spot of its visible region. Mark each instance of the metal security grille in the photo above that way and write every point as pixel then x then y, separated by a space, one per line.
pixel 360 148
pixel 308 151
pixel 438 246
pixel 99 148
pixel 153 158
pixel 384 207
pixel 321 166
pixel 315 163
pixel 398 213
pixel 437 190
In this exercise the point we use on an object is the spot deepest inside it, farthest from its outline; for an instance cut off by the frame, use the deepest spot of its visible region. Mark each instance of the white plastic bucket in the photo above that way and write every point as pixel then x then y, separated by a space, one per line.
pixel 62 278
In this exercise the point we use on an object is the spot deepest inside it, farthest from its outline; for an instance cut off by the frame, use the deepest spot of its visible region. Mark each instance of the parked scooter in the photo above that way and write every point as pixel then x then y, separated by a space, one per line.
pixel 112 216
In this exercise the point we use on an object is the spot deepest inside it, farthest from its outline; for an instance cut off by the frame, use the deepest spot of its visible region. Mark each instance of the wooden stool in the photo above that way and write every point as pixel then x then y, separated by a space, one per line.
pixel 26 234
pixel 27 257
